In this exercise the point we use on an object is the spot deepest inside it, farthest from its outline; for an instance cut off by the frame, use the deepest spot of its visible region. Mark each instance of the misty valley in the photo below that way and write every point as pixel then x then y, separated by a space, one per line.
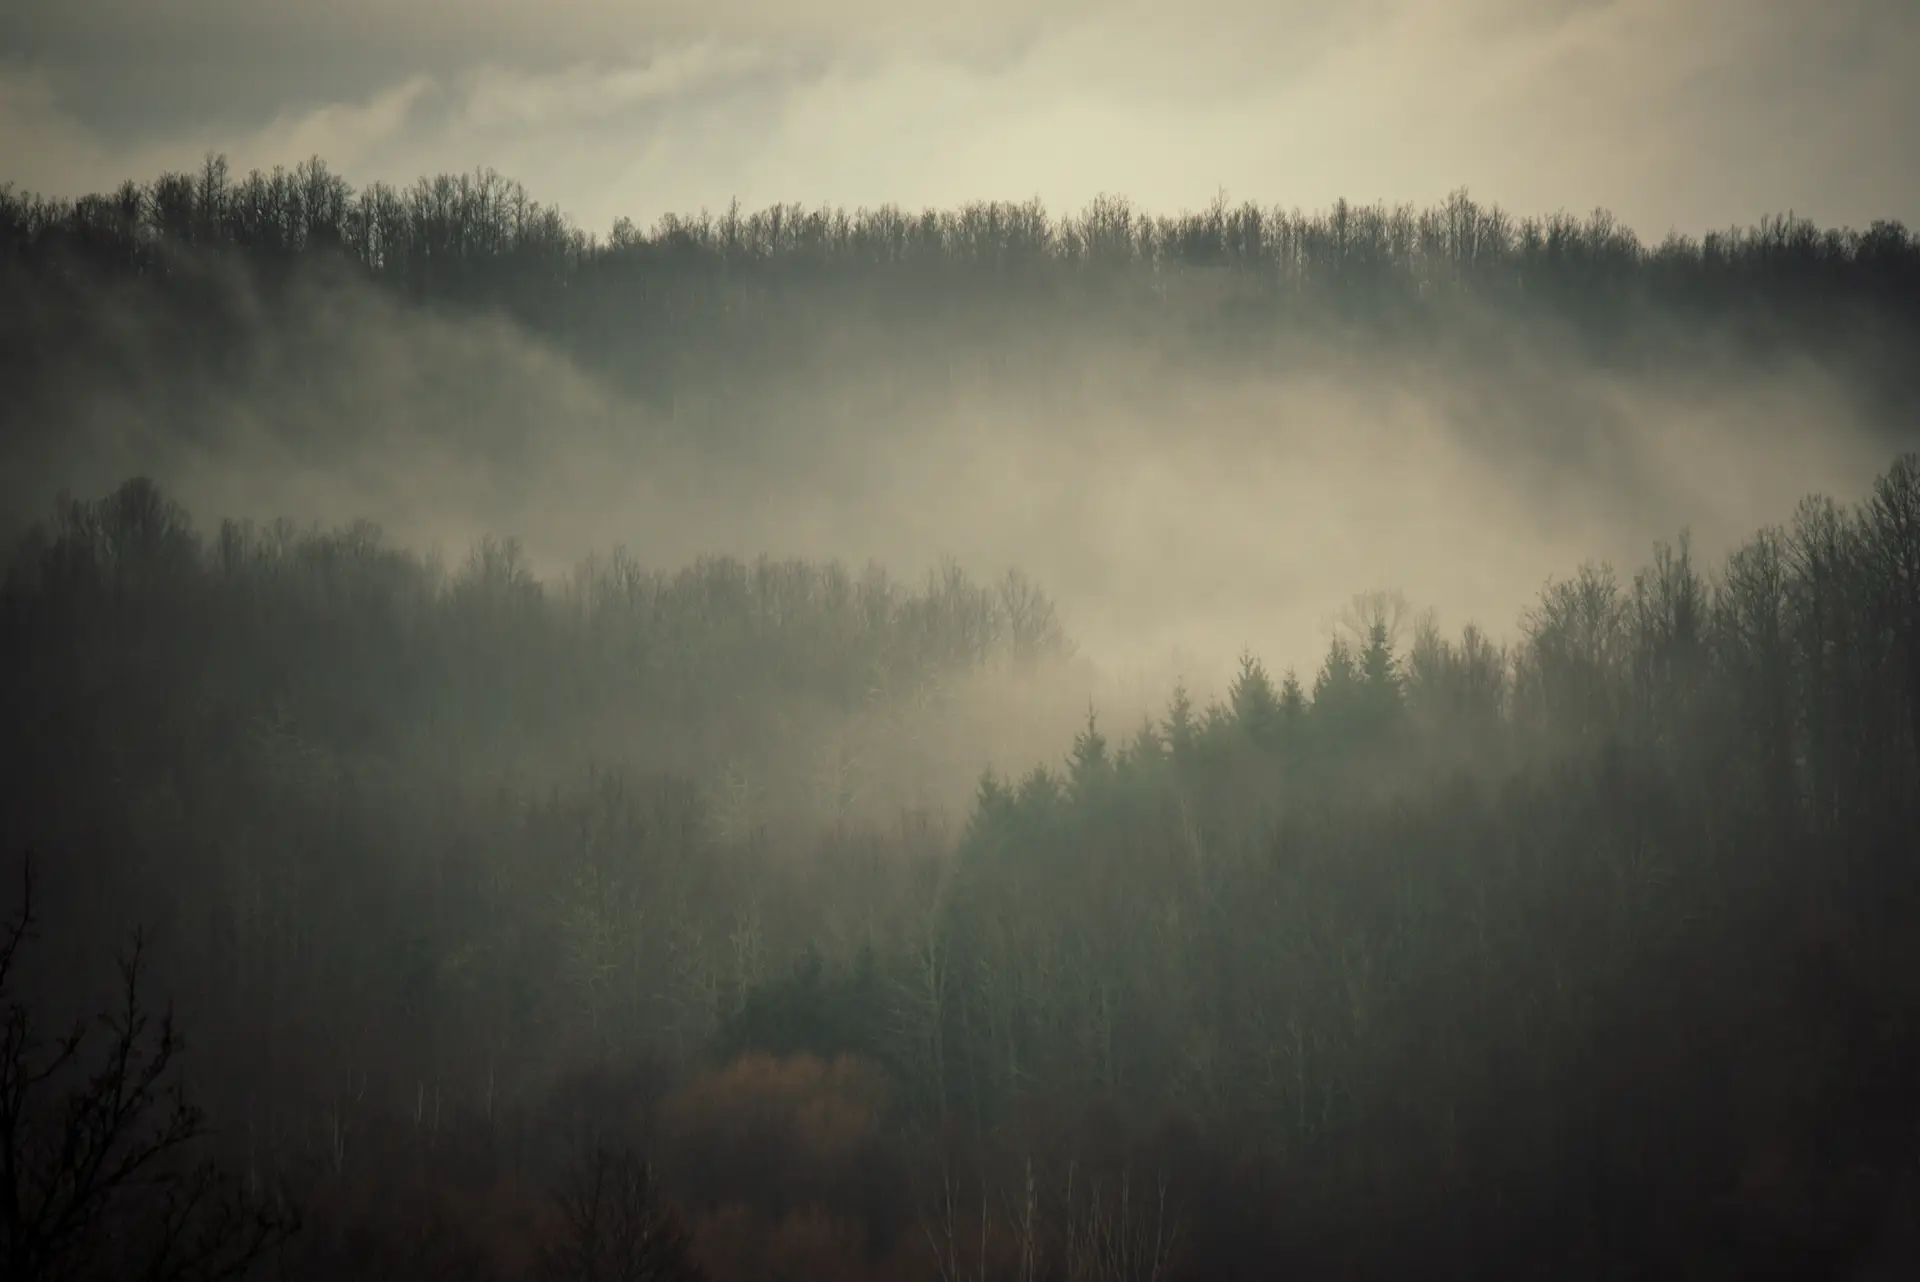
pixel 970 744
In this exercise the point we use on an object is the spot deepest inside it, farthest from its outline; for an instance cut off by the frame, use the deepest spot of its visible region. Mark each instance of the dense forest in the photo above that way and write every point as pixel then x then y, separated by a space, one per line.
pixel 656 920
pixel 831 323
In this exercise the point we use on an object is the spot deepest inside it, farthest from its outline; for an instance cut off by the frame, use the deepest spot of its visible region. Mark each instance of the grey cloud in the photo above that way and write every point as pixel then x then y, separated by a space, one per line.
pixel 1674 113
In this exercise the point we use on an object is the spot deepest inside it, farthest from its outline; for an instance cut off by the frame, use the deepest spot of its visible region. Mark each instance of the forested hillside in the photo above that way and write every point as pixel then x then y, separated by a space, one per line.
pixel 655 919
pixel 1596 946
pixel 701 316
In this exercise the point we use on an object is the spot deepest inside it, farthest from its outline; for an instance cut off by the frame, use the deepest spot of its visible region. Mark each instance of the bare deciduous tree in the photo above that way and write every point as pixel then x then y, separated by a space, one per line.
pixel 101 1174
pixel 614 1226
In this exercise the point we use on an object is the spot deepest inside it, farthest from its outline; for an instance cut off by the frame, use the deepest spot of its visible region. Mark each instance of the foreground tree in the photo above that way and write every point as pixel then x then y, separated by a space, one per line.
pixel 615 1226
pixel 102 1165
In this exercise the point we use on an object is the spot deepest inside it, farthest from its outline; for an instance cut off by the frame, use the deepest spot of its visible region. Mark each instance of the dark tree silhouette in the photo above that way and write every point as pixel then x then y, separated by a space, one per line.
pixel 98 1176
pixel 615 1227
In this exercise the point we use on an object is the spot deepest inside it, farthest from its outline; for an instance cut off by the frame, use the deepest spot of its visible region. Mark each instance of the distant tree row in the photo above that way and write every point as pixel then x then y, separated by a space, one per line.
pixel 334 646
pixel 480 235
pixel 197 307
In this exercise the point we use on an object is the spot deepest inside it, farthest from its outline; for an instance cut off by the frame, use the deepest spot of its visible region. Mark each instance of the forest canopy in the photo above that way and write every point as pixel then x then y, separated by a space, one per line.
pixel 1439 916
pixel 651 915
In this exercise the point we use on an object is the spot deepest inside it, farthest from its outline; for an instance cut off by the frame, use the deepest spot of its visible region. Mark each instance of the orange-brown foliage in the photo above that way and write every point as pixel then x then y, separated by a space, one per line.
pixel 786 1166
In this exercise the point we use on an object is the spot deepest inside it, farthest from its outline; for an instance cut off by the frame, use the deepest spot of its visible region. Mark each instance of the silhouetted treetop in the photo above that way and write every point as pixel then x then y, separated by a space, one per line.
pixel 482 235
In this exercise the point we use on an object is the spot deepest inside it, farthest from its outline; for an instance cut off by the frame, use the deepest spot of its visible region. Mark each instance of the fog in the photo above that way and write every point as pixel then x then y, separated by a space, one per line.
pixel 1179 512
pixel 966 742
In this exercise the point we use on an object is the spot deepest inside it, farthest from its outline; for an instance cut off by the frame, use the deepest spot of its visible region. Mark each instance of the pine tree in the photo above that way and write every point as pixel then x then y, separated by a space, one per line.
pixel 1336 694
pixel 1256 706
pixel 1180 726
pixel 1147 750
pixel 1380 678
pixel 1339 677
pixel 1090 765
pixel 993 807
pixel 1293 699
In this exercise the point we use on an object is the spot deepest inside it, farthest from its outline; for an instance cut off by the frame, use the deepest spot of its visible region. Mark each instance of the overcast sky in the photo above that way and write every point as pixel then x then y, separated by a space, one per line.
pixel 1675 114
